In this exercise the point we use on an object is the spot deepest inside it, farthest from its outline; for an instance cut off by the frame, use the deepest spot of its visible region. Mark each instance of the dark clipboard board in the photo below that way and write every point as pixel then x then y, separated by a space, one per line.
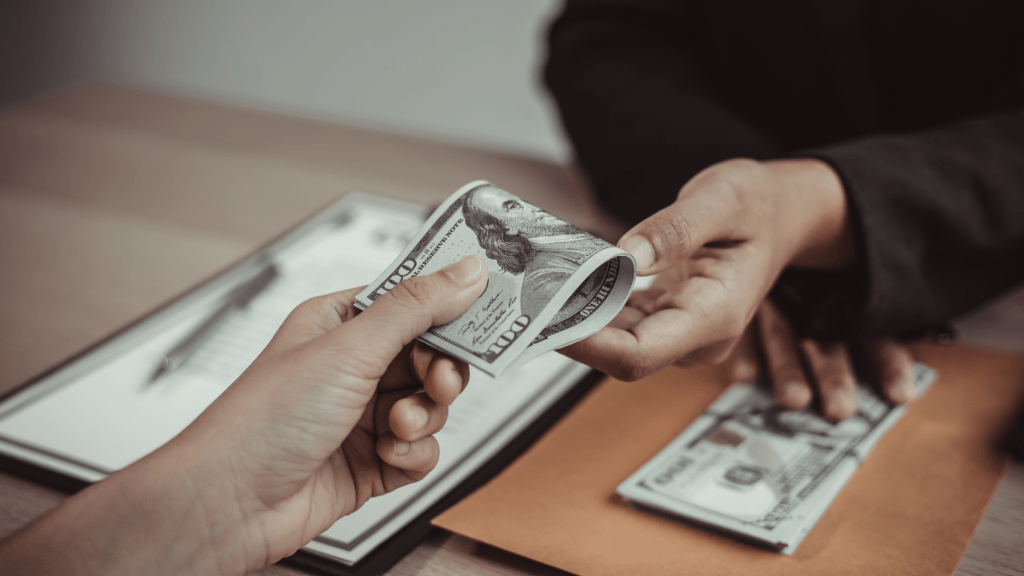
pixel 393 549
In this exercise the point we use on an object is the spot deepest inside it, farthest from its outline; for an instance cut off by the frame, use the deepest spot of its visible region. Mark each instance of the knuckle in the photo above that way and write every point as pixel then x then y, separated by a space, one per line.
pixel 631 371
pixel 323 307
pixel 729 181
pixel 675 230
pixel 416 292
pixel 735 170
pixel 309 307
pixel 724 176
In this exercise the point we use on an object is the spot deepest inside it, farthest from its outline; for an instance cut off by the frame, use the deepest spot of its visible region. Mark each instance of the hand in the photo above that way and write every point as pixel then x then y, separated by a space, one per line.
pixel 829 372
pixel 340 407
pixel 717 251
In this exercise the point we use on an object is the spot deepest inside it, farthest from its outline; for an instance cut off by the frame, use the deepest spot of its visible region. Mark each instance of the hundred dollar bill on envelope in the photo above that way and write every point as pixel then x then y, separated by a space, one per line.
pixel 750 468
pixel 550 284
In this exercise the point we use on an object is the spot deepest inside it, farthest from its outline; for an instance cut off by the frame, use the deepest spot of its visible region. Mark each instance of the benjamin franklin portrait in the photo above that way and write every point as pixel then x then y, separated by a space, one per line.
pixel 523 239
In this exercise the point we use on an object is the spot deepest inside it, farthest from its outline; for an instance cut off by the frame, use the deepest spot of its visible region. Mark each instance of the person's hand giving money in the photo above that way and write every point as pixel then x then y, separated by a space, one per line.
pixel 800 369
pixel 717 252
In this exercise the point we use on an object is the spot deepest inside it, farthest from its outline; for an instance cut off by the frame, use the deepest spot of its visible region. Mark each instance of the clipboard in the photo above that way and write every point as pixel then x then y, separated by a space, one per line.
pixel 121 416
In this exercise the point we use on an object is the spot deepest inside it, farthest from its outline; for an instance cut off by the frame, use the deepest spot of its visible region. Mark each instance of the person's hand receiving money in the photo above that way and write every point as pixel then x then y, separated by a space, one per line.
pixel 717 251
pixel 341 406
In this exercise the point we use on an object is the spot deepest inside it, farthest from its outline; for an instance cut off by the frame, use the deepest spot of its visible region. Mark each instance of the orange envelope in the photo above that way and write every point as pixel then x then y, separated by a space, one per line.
pixel 910 509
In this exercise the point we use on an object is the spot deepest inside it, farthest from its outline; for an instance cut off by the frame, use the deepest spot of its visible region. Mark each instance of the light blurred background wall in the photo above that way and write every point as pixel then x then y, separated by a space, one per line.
pixel 465 71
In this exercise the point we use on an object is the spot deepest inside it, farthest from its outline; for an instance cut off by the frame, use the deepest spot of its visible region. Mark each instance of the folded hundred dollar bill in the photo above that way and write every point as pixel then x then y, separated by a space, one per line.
pixel 749 468
pixel 550 284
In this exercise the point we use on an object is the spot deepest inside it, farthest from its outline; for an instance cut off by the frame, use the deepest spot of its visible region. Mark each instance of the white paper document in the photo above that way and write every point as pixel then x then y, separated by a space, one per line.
pixel 100 412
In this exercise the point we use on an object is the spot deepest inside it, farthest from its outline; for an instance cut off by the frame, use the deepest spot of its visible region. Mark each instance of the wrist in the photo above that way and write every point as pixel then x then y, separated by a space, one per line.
pixel 200 525
pixel 144 519
pixel 820 211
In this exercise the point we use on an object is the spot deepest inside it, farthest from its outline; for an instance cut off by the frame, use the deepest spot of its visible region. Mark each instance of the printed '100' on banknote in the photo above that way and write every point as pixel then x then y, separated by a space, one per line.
pixel 549 283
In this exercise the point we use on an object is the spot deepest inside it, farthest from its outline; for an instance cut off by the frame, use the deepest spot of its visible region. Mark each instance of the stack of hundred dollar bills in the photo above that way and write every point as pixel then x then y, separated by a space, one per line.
pixel 550 284
pixel 753 470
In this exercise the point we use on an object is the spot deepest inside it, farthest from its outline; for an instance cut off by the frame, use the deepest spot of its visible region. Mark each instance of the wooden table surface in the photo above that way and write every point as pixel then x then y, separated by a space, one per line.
pixel 113 201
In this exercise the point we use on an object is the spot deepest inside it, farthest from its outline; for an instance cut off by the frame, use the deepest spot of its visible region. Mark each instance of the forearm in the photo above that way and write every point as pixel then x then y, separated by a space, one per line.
pixel 145 519
pixel 938 219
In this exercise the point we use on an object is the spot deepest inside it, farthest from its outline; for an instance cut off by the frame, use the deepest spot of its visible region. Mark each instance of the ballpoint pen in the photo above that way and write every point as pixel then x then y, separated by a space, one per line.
pixel 238 298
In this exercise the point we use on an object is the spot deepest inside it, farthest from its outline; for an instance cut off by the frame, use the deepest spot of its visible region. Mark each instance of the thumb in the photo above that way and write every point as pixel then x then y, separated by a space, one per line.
pixel 708 209
pixel 372 340
pixel 668 237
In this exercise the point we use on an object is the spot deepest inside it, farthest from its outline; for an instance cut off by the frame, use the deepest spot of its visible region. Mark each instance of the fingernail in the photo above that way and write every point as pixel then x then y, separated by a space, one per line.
pixel 465 271
pixel 641 249
pixel 418 416
pixel 843 404
pixel 904 391
pixel 401 447
pixel 797 395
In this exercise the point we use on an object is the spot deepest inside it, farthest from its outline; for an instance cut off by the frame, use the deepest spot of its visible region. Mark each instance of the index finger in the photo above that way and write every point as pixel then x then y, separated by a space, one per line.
pixel 314 318
pixel 657 340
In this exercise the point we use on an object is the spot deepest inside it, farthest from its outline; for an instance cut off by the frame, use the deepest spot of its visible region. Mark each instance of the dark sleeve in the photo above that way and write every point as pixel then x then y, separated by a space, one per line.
pixel 632 103
pixel 940 219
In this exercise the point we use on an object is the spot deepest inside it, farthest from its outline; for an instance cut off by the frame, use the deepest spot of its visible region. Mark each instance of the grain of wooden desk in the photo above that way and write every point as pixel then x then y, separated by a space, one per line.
pixel 113 201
